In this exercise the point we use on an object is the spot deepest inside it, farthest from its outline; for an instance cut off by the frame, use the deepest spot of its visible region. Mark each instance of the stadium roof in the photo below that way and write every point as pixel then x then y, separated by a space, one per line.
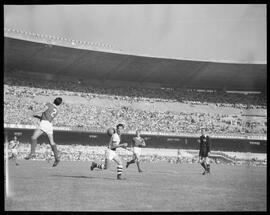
pixel 22 55
pixel 199 32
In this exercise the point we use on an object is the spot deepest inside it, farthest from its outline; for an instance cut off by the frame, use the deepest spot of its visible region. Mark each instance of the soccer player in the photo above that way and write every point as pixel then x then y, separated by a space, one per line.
pixel 179 156
pixel 45 126
pixel 137 143
pixel 111 153
pixel 13 145
pixel 204 151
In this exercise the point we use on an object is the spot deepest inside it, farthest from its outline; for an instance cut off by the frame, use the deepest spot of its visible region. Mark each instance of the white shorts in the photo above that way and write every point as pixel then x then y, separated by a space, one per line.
pixel 46 126
pixel 137 151
pixel 110 154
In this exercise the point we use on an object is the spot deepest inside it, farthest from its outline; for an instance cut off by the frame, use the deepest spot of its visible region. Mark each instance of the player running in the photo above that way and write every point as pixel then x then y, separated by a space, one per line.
pixel 204 151
pixel 137 143
pixel 46 127
pixel 13 146
pixel 111 154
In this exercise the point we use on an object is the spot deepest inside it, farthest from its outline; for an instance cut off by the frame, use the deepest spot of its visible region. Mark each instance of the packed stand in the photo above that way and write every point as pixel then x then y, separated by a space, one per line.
pixel 18 111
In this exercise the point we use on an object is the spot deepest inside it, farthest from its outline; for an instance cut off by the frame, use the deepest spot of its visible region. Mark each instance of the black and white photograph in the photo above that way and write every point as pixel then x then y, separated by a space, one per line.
pixel 135 107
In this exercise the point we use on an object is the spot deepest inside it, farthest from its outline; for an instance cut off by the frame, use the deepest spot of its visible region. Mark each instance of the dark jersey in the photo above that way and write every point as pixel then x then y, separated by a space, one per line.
pixel 138 141
pixel 50 113
pixel 204 146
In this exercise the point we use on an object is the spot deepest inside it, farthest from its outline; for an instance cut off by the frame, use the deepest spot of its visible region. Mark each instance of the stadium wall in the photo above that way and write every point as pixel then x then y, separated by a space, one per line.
pixel 70 137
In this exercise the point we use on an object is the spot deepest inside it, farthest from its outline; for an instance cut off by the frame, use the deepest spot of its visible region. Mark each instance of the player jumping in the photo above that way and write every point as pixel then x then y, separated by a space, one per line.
pixel 204 150
pixel 137 143
pixel 110 153
pixel 13 145
pixel 46 127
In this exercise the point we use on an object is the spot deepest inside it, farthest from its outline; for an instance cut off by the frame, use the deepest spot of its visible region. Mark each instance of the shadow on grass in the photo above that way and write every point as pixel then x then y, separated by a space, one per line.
pixel 83 177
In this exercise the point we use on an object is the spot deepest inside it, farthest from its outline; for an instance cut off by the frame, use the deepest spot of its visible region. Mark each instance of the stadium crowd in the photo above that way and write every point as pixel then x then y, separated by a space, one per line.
pixel 78 87
pixel 88 116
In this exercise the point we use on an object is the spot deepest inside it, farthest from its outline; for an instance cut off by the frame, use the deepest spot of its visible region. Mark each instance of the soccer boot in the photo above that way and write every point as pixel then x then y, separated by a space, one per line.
pixel 56 162
pixel 127 164
pixel 204 173
pixel 140 170
pixel 119 177
pixel 93 165
pixel 30 156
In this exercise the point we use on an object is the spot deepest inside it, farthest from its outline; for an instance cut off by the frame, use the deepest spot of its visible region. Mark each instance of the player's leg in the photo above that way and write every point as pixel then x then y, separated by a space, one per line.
pixel 137 160
pixel 54 149
pixel 202 162
pixel 207 163
pixel 101 166
pixel 131 161
pixel 118 161
pixel 10 155
pixel 34 138
pixel 14 154
pixel 138 165
pixel 108 158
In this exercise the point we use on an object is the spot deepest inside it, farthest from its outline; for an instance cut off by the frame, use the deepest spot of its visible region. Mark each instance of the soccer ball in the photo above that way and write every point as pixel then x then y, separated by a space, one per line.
pixel 110 131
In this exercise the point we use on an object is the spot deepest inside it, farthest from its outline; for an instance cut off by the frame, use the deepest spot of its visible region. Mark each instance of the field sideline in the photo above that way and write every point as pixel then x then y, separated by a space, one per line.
pixel 71 186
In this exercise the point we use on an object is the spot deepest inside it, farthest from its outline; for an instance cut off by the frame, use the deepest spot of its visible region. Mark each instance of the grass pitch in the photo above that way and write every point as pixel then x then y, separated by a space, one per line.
pixel 71 186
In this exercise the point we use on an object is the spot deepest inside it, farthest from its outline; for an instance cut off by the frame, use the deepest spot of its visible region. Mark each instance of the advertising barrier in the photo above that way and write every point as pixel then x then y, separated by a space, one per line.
pixel 69 137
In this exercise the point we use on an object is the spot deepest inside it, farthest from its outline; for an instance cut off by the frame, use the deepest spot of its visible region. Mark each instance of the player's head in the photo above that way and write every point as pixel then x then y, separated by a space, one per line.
pixel 119 128
pixel 138 132
pixel 57 101
pixel 203 131
pixel 15 137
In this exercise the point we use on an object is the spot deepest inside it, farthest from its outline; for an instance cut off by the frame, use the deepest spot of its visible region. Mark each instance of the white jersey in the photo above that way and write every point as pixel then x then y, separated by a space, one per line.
pixel 114 141
pixel 13 144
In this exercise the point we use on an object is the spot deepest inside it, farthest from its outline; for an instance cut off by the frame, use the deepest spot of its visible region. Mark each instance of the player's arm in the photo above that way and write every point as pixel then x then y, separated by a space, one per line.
pixel 113 146
pixel 143 142
pixel 38 112
pixel 209 144
pixel 200 149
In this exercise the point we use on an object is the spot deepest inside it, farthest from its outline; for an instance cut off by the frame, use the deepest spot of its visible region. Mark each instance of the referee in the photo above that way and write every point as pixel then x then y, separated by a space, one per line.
pixel 204 151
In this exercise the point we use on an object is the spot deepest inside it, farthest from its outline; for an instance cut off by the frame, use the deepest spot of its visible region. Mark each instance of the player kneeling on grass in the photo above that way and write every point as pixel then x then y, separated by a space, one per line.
pixel 204 151
pixel 13 145
pixel 137 143
pixel 110 153
pixel 46 127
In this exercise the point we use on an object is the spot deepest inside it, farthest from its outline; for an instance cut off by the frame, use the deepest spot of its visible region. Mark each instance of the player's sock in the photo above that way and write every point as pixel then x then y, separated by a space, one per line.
pixel 208 168
pixel 119 171
pixel 55 152
pixel 33 146
pixel 100 166
pixel 203 165
pixel 130 162
pixel 33 150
